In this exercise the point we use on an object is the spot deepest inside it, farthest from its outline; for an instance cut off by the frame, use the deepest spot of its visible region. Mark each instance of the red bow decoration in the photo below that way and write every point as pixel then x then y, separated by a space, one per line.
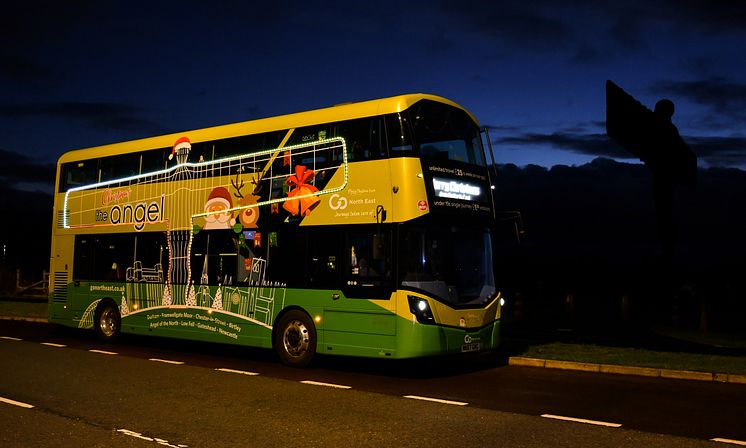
pixel 299 187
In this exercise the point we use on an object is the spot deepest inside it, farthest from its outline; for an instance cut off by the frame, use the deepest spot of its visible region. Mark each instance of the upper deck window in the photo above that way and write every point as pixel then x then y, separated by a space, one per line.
pixel 78 174
pixel 445 132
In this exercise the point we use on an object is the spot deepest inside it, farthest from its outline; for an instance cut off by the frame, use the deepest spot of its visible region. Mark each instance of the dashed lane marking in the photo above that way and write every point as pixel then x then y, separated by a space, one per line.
pixel 437 400
pixel 16 403
pixel 582 420
pixel 52 344
pixel 242 372
pixel 10 338
pixel 731 441
pixel 157 440
pixel 103 352
pixel 167 361
pixel 316 383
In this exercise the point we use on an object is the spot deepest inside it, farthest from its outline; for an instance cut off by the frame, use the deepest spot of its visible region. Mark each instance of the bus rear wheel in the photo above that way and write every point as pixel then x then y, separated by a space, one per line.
pixel 107 322
pixel 295 339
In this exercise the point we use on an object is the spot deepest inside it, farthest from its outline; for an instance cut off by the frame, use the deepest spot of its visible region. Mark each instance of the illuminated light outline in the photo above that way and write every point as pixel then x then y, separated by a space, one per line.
pixel 153 178
pixel 274 151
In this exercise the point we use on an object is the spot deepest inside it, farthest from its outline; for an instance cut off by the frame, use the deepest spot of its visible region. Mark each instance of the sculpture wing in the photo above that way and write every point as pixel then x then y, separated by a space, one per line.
pixel 628 122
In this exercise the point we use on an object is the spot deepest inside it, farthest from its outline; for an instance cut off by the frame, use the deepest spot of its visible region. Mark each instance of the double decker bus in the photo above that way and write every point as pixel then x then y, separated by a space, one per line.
pixel 362 229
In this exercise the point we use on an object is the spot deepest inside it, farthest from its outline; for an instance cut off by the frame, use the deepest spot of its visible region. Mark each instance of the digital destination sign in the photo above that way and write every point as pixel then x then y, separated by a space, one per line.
pixel 458 188
pixel 448 188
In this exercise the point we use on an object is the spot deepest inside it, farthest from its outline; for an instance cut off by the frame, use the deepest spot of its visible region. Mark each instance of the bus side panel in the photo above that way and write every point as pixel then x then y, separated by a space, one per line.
pixel 60 276
pixel 198 324
pixel 360 332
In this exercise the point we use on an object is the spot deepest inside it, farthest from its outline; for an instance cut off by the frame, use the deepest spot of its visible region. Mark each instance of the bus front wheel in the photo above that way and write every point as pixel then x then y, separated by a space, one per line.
pixel 107 322
pixel 295 339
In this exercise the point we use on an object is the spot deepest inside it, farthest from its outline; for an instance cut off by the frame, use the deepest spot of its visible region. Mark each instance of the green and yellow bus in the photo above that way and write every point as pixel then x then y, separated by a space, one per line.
pixel 362 229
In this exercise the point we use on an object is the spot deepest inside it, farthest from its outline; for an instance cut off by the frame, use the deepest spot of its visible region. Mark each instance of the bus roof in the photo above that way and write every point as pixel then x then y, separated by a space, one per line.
pixel 346 111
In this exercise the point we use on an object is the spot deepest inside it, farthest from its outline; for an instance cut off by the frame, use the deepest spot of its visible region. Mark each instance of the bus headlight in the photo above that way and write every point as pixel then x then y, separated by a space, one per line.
pixel 421 309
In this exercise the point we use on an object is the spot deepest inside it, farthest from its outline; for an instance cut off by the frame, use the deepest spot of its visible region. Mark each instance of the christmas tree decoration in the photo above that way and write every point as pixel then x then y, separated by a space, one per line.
pixel 166 300
pixel 217 303
pixel 191 298
pixel 124 309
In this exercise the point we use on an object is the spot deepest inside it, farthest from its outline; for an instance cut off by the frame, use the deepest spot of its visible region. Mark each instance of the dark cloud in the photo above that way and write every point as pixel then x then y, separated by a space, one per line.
pixel 711 151
pixel 714 16
pixel 719 151
pixel 36 21
pixel 724 97
pixel 16 167
pixel 587 144
pixel 502 128
pixel 23 71
pixel 98 115
pixel 519 23
pixel 590 32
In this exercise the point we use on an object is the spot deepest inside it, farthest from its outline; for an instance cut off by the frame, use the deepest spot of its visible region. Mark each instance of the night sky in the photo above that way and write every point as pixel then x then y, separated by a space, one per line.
pixel 84 73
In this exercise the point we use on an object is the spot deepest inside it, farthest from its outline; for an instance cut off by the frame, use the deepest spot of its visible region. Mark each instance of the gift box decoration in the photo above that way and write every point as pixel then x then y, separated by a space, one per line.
pixel 301 199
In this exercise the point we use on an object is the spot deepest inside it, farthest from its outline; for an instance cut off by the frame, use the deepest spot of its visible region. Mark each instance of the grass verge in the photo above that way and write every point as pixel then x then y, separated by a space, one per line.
pixel 637 357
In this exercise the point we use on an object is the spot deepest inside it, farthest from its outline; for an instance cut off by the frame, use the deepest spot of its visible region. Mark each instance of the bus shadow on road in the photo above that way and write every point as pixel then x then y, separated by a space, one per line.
pixel 429 367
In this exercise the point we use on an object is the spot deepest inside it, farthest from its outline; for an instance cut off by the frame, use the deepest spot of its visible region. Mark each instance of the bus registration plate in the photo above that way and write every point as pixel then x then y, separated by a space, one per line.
pixel 472 347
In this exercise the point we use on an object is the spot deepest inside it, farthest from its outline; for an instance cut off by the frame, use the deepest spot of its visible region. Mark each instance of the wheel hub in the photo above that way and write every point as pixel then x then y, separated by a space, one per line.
pixel 108 322
pixel 295 338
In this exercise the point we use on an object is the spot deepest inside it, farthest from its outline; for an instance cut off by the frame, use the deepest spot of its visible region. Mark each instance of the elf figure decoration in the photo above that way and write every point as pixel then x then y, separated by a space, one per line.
pixel 301 201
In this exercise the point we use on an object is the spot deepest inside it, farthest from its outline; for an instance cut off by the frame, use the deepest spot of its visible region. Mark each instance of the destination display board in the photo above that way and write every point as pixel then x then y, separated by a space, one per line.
pixel 457 188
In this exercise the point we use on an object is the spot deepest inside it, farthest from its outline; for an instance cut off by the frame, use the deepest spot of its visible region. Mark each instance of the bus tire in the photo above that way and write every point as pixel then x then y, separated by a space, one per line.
pixel 107 322
pixel 295 339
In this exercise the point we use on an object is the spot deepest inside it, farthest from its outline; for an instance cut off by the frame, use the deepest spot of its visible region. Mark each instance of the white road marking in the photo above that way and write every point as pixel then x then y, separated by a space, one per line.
pixel 16 403
pixel 52 344
pixel 166 361
pixel 242 372
pixel 731 441
pixel 157 440
pixel 316 383
pixel 582 420
pixel 103 352
pixel 436 400
pixel 10 338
